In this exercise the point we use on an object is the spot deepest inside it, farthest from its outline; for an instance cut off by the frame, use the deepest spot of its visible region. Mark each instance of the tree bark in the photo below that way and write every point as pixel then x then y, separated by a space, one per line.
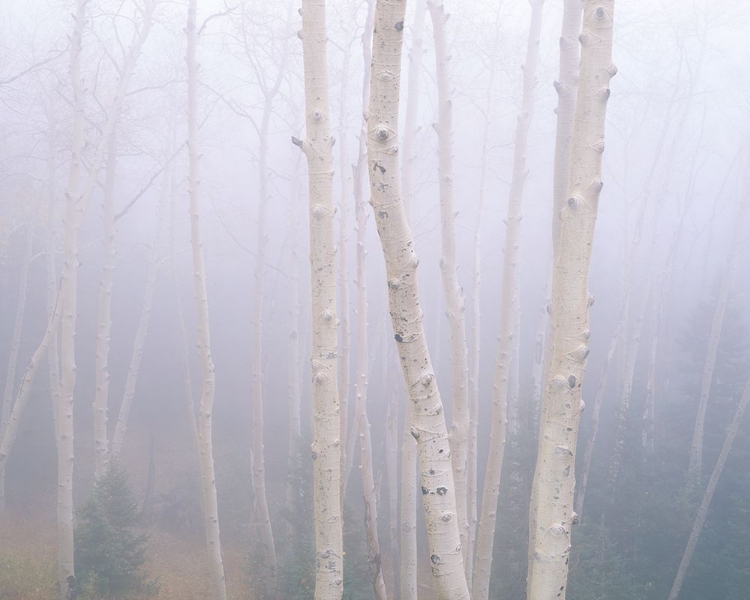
pixel 553 501
pixel 427 418
pixel 326 447
pixel 506 357
pixel 454 297
pixel 208 485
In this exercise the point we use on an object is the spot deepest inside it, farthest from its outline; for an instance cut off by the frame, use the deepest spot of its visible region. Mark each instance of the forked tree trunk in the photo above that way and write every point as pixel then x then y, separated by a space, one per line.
pixel 326 447
pixel 555 469
pixel 426 408
pixel 454 297
pixel 700 518
pixel 506 357
pixel 208 485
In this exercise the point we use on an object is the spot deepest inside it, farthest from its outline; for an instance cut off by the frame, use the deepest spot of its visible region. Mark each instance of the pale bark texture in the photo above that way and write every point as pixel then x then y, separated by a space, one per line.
pixel 696 449
pixel 454 297
pixel 510 310
pixel 567 91
pixel 104 325
pixel 326 446
pixel 74 210
pixel 414 73
pixel 208 486
pixel 426 408
pixel 555 469
pixel 408 501
pixel 700 518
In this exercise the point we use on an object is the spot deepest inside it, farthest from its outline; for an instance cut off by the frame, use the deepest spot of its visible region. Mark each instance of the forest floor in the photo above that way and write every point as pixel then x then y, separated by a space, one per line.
pixel 28 569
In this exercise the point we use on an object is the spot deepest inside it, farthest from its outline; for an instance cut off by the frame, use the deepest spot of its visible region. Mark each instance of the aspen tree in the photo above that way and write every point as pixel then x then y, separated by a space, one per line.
pixel 700 517
pixel 104 325
pixel 326 447
pixel 15 346
pixel 454 297
pixel 208 485
pixel 414 72
pixel 427 418
pixel 508 317
pixel 553 512
pixel 695 467
pixel 408 504
pixel 567 90
pixel 74 210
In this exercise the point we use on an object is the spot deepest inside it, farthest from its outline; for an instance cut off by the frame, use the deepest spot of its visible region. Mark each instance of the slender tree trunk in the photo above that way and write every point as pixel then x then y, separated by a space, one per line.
pixel 508 318
pixel 427 418
pixel 391 461
pixel 567 91
pixel 74 211
pixel 696 449
pixel 143 323
pixel 208 485
pixel 326 447
pixel 258 457
pixel 104 326
pixel 15 346
pixel 365 443
pixel 553 501
pixel 700 518
pixel 412 108
pixel 454 298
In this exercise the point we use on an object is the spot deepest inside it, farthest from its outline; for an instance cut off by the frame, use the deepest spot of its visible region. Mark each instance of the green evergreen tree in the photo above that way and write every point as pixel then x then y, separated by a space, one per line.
pixel 109 553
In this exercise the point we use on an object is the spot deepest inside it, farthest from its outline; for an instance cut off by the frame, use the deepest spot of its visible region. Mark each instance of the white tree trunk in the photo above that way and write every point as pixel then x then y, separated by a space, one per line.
pixel 414 73
pixel 208 485
pixel 104 326
pixel 506 357
pixel 326 447
pixel 427 418
pixel 555 470
pixel 696 449
pixel 700 518
pixel 454 297
pixel 258 453
pixel 567 91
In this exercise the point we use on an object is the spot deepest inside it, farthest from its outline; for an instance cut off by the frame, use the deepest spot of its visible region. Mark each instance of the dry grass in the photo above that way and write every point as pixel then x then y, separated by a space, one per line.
pixel 28 569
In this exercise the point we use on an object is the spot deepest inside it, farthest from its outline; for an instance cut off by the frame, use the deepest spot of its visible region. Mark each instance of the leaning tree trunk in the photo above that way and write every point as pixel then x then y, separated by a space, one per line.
pixel 427 418
pixel 555 469
pixel 508 317
pixel 15 345
pixel 454 297
pixel 696 448
pixel 208 485
pixel 326 447
pixel 700 518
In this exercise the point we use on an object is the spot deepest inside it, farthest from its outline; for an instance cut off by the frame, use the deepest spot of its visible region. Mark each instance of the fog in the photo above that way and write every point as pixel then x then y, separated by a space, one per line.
pixel 115 157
